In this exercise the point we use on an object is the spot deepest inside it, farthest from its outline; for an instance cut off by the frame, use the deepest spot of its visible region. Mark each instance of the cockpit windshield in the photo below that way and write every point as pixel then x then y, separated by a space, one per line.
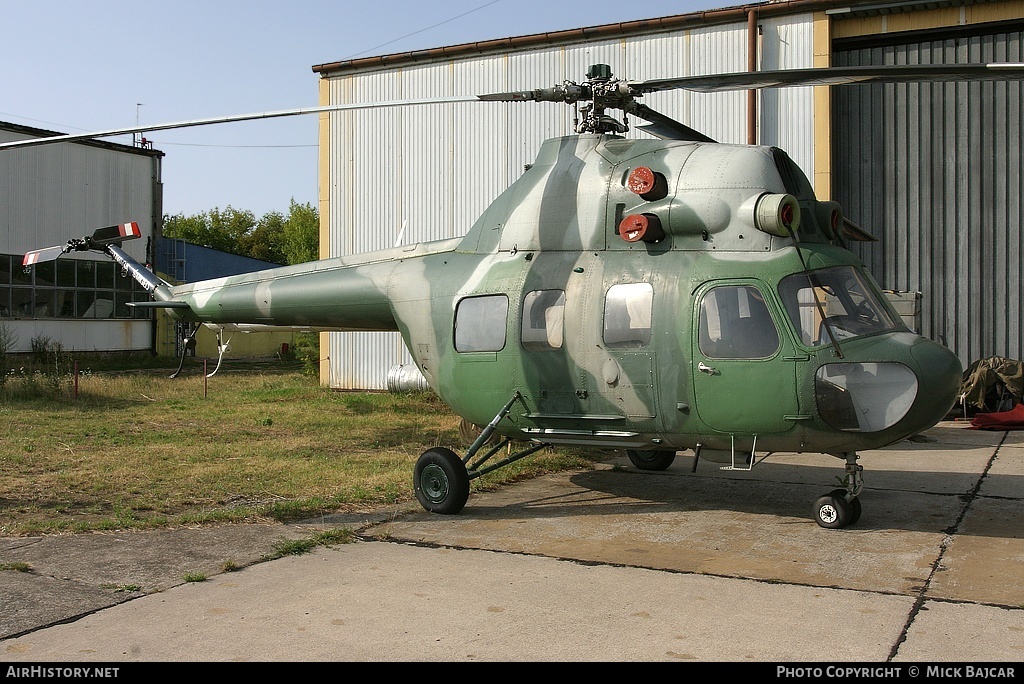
pixel 839 298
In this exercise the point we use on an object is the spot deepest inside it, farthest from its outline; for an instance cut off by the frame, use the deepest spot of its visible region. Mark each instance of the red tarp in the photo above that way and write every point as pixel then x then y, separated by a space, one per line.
pixel 1005 420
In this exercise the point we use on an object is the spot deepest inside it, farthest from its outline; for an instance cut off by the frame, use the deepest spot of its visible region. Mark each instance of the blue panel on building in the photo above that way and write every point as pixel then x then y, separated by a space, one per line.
pixel 185 262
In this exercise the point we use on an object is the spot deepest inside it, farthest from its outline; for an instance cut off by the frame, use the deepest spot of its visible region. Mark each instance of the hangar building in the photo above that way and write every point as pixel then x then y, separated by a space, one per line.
pixel 933 170
pixel 51 193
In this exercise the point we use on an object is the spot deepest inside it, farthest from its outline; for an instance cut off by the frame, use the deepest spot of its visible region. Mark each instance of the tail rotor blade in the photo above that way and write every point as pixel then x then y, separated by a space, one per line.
pixel 111 234
pixel 39 255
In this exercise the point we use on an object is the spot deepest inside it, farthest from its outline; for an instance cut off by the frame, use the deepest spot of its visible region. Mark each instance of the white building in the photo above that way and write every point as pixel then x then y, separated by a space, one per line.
pixel 50 194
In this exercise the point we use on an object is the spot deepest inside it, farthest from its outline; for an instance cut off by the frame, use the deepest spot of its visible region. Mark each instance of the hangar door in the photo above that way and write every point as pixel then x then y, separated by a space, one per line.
pixel 934 172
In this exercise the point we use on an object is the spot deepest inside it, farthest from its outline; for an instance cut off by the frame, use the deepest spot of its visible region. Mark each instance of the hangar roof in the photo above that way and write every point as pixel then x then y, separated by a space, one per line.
pixel 736 13
pixel 31 132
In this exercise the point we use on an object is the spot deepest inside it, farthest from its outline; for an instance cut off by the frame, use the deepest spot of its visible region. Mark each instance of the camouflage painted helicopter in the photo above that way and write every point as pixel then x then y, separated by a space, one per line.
pixel 652 295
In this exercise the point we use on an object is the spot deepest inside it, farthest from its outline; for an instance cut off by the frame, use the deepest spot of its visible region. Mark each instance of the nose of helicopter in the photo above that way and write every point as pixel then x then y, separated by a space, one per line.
pixel 939 374
pixel 891 399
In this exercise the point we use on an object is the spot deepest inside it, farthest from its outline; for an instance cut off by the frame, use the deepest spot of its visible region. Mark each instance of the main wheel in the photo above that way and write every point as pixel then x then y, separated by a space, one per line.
pixel 832 511
pixel 441 481
pixel 651 460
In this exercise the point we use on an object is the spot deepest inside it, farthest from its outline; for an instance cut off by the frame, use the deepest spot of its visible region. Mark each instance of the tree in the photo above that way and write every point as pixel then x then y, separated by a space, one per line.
pixel 301 237
pixel 276 238
pixel 216 229
pixel 264 241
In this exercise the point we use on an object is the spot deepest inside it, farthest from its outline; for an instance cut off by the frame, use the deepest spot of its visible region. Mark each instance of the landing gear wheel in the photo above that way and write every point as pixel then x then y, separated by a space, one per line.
pixel 651 460
pixel 441 481
pixel 854 511
pixel 853 504
pixel 832 511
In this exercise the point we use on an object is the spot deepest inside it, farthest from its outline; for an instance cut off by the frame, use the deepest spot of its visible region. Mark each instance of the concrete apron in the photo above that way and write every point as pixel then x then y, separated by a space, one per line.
pixel 941 518
pixel 606 564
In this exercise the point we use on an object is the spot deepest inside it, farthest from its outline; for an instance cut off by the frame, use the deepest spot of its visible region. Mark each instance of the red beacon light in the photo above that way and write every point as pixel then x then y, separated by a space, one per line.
pixel 647 183
pixel 641 227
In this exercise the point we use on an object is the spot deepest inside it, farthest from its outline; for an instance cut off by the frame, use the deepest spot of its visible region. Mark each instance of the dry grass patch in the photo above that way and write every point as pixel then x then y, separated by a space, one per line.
pixel 138 449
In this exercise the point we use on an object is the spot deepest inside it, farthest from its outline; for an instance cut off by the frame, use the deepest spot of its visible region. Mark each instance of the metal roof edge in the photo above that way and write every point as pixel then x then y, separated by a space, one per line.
pixel 669 23
pixel 43 133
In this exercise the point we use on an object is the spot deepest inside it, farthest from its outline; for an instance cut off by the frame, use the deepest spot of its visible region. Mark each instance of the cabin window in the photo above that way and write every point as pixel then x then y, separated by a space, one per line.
pixel 480 323
pixel 543 320
pixel 627 315
pixel 735 324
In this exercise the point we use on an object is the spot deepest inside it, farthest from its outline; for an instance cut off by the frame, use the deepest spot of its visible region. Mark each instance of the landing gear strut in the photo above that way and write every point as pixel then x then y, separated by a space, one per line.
pixel 441 479
pixel 188 346
pixel 841 507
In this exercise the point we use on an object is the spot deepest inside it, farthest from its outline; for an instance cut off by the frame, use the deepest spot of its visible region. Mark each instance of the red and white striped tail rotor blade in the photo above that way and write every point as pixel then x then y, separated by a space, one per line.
pixel 39 255
pixel 122 231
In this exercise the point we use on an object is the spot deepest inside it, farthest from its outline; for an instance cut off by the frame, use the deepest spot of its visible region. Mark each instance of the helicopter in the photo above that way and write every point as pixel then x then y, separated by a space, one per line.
pixel 652 295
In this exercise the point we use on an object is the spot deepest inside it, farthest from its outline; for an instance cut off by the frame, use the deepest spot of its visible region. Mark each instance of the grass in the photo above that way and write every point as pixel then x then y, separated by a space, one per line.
pixel 297 547
pixel 17 567
pixel 134 449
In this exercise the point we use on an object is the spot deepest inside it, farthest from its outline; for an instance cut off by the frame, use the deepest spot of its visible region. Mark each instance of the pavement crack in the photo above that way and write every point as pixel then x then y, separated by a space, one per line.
pixel 947 540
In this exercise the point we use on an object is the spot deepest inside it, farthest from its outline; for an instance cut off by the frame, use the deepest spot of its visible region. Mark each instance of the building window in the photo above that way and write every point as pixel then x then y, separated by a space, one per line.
pixel 68 288
pixel 481 323
pixel 627 315
pixel 543 320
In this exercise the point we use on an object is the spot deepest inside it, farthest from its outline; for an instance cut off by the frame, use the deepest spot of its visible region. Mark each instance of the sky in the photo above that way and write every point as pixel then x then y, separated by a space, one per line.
pixel 76 66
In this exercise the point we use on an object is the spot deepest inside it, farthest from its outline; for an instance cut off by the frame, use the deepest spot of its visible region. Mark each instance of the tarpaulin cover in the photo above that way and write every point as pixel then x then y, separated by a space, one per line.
pixel 992 384
pixel 1004 420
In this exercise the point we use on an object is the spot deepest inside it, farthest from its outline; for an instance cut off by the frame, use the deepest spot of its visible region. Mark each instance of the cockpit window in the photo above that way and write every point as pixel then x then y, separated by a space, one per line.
pixel 839 298
pixel 735 324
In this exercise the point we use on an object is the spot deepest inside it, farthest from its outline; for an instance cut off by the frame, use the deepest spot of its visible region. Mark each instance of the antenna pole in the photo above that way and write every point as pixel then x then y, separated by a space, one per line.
pixel 135 139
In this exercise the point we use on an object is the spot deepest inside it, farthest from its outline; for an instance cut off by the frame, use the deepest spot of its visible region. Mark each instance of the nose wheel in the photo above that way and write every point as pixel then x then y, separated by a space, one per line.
pixel 841 507
pixel 833 511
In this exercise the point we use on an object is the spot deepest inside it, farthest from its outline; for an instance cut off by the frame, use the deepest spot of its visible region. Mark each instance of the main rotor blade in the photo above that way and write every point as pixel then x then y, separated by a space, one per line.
pixel 782 78
pixel 71 137
pixel 567 92
pixel 666 128
pixel 571 93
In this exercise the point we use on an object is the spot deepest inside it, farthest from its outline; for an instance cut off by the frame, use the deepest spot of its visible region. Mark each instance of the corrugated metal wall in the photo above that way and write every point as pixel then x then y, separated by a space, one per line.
pixel 435 168
pixel 934 171
pixel 51 193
